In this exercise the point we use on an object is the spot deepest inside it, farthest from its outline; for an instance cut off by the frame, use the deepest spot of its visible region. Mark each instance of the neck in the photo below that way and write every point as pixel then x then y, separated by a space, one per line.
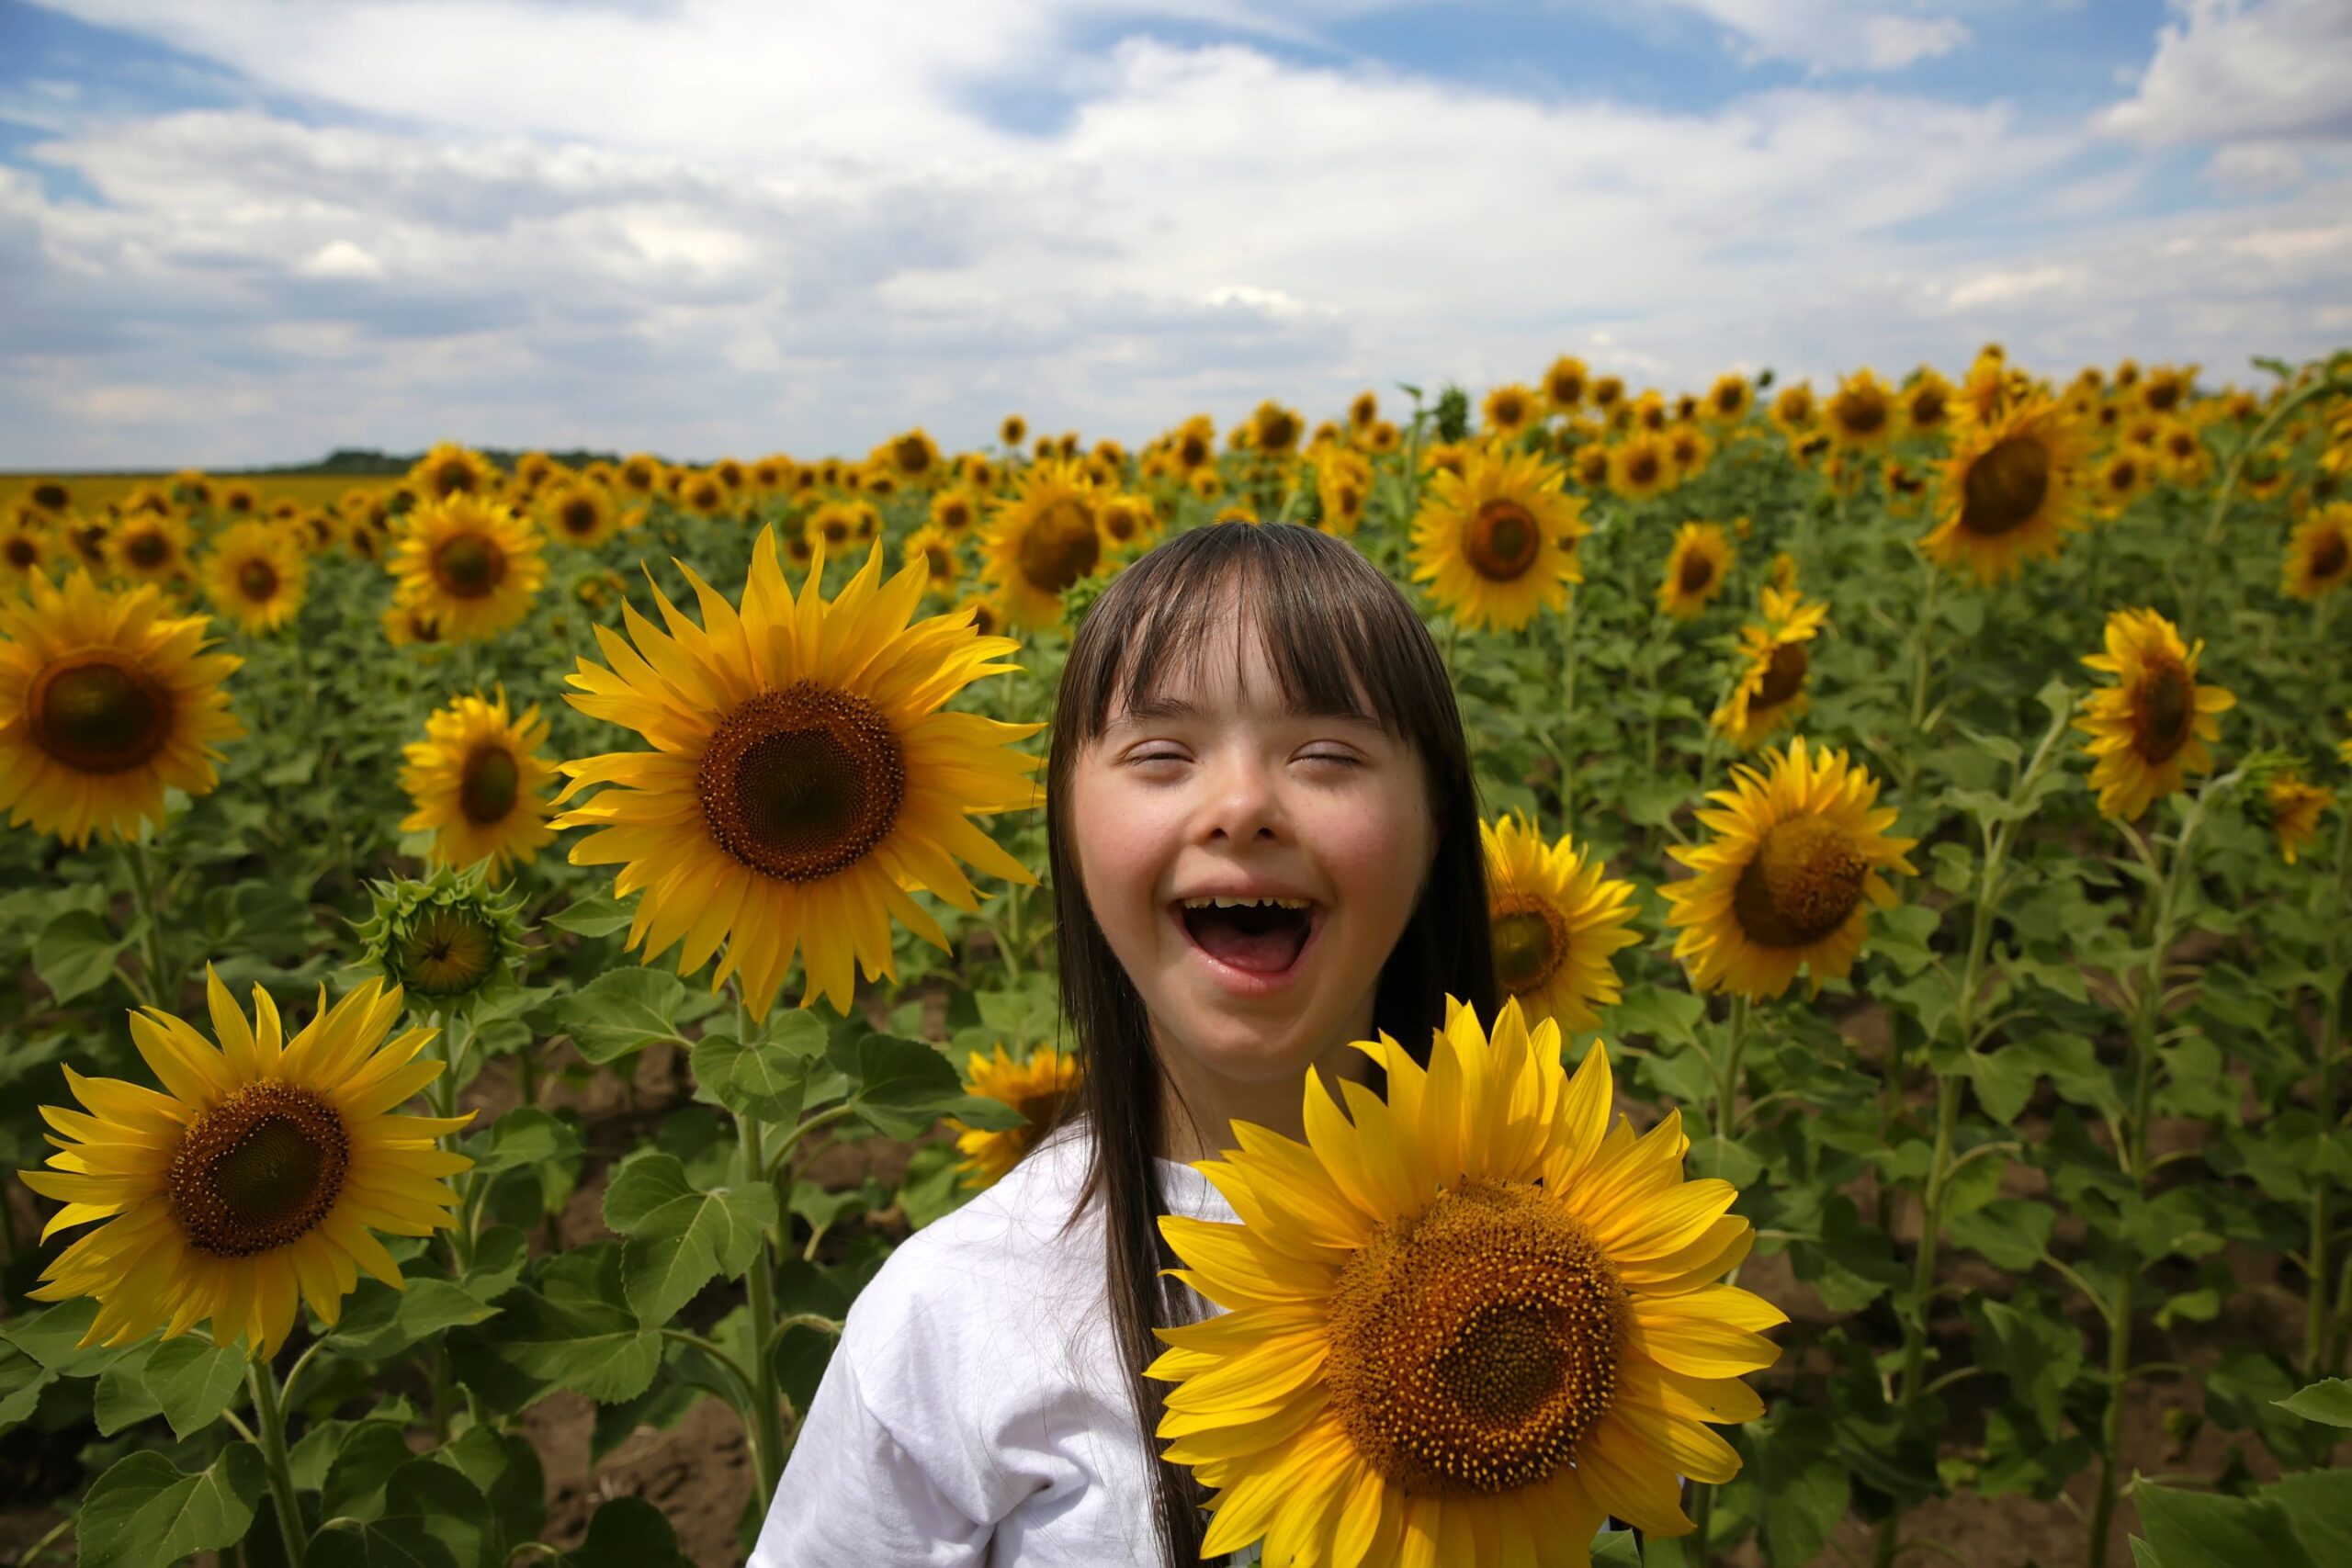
pixel 1198 1108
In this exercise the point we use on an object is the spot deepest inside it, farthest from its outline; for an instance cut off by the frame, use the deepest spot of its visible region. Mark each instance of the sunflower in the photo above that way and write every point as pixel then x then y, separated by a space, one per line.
pixel 1641 466
pixel 1771 694
pixel 1343 487
pixel 1729 399
pixel 2166 388
pixel 1509 409
pixel 1695 570
pixel 1607 392
pixel 1794 411
pixel 702 491
pixel 1498 541
pixel 2119 477
pixel 1036 1088
pixel 1128 520
pixel 26 549
pixel 1565 384
pixel 252 1182
pixel 642 475
pixel 2319 555
pixel 578 513
pixel 1048 538
pixel 1013 431
pixel 479 785
pixel 238 498
pixel 2012 492
pixel 51 495
pixel 913 457
pixel 408 625
pixel 1383 436
pixel 1236 512
pixel 2182 454
pixel 1271 429
pixel 1926 402
pixel 150 546
pixel 1687 448
pixel 450 470
pixel 1861 415
pixel 106 701
pixel 1556 919
pixel 934 549
pixel 1466 1322
pixel 472 565
pixel 1788 878
pixel 804 780
pixel 449 938
pixel 1590 466
pixel 2148 731
pixel 1907 488
pixel 2294 808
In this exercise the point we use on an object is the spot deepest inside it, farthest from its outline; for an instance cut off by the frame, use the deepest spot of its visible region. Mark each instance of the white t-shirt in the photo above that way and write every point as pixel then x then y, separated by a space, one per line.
pixel 975 1413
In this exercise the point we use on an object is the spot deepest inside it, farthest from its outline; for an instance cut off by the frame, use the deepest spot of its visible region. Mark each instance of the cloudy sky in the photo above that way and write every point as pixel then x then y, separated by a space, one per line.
pixel 240 232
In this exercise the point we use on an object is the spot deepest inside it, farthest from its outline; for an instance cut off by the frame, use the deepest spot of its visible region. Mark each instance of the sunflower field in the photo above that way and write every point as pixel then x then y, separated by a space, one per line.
pixel 499 957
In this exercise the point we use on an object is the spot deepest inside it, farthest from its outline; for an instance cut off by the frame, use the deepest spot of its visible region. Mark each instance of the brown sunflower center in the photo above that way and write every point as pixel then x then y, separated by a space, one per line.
pixel 468 565
pixel 801 784
pixel 913 457
pixel 1060 546
pixel 148 549
pixel 1193 451
pixel 1276 432
pixel 22 553
pixel 1503 541
pixel 1729 399
pixel 2329 559
pixel 1698 574
pixel 258 1170
pixel 487 785
pixel 257 579
pixel 1861 411
pixel 1804 881
pixel 98 713
pixel 1783 675
pixel 1640 466
pixel 2004 487
pixel 938 562
pixel 1475 1344
pixel 2164 710
pixel 1509 410
pixel 580 515
pixel 1531 941
pixel 454 478
pixel 450 952
pixel 1927 407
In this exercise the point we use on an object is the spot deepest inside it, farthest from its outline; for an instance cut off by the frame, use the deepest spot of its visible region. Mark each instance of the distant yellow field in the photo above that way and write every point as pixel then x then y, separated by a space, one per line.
pixel 97 490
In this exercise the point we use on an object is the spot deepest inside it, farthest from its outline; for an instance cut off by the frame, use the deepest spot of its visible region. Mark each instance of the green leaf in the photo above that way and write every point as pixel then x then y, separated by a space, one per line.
pixel 193 1382
pixel 904 1086
pixel 1615 1549
pixel 121 1398
pixel 574 1327
pixel 371 1452
pixel 628 1532
pixel 53 1337
pixel 74 953
pixel 1659 1014
pixel 2009 1232
pixel 144 1513
pixel 2201 1530
pixel 2329 1400
pixel 680 1237
pixel 622 1010
pixel 524 1136
pixel 391 1544
pixel 599 914
pixel 2319 1508
pixel 21 1381
pixel 1804 1488
pixel 452 1507
pixel 767 1079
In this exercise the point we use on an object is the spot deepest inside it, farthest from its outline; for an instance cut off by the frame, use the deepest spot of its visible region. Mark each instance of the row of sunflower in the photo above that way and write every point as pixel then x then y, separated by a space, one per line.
pixel 1995 1183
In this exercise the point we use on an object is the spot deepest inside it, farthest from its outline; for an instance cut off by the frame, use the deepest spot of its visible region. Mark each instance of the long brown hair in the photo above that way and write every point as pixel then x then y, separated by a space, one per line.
pixel 1335 631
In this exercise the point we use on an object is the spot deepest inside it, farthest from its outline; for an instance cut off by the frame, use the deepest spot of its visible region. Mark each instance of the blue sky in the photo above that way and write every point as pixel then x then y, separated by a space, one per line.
pixel 248 230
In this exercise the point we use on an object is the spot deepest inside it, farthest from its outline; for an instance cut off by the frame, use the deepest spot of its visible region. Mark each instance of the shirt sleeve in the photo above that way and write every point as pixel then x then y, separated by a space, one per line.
pixel 851 1494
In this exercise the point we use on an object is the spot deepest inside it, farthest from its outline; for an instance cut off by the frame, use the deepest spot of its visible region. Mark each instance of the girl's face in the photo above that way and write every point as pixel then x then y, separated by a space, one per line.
pixel 1216 790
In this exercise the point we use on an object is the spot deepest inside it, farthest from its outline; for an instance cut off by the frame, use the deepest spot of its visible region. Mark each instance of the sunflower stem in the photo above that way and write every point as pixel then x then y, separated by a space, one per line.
pixel 163 986
pixel 269 1423
pixel 1920 645
pixel 2318 1315
pixel 767 1405
pixel 1727 1081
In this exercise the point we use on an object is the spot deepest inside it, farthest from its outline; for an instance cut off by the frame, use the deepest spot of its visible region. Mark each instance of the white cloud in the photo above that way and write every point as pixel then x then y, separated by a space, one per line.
pixel 743 228
pixel 1835 35
pixel 2245 70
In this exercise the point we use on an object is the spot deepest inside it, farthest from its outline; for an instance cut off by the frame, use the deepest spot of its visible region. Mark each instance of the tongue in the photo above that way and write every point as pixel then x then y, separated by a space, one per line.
pixel 1261 941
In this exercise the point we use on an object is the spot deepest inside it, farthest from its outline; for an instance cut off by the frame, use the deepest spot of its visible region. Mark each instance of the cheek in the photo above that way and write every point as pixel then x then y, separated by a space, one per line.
pixel 1376 857
pixel 1122 853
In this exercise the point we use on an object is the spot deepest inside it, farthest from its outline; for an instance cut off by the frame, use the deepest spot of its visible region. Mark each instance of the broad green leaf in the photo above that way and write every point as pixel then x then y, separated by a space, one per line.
pixel 53 1336
pixel 628 1532
pixel 2319 1506
pixel 388 1543
pixel 599 914
pixel 680 1237
pixel 455 1512
pixel 371 1451
pixel 2329 1400
pixel 1665 1015
pixel 144 1513
pixel 1804 1488
pixel 524 1136
pixel 2009 1232
pixel 904 1086
pixel 622 1010
pixel 21 1381
pixel 2203 1529
pixel 120 1398
pixel 193 1382
pixel 74 953
pixel 573 1327
pixel 1615 1549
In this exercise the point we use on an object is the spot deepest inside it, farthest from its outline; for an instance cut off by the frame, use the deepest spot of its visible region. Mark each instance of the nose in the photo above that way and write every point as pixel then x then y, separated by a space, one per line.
pixel 1241 804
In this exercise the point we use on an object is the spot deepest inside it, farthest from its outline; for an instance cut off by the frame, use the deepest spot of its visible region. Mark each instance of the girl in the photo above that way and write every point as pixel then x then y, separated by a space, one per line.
pixel 1263 843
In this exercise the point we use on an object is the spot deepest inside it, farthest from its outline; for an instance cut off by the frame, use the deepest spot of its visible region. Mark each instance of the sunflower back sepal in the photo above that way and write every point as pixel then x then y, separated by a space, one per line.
pixel 451 939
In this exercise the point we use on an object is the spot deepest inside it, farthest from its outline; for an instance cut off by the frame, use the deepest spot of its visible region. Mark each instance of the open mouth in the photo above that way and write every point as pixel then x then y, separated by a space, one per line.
pixel 1257 936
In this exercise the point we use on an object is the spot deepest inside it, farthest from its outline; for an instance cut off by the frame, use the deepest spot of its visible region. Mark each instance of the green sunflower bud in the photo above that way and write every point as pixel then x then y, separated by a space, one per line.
pixel 449 940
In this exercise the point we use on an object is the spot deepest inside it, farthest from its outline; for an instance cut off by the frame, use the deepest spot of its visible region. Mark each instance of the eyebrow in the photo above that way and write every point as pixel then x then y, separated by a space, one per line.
pixel 1165 709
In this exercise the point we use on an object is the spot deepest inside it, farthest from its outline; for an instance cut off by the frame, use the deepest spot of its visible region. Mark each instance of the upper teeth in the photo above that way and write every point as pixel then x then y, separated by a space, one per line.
pixel 1247 902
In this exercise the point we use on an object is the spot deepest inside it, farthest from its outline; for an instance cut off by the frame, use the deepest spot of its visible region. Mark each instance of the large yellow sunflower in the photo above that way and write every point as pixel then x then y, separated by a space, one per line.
pixel 1043 540
pixel 1467 1324
pixel 472 565
pixel 1556 917
pixel 1788 879
pixel 1036 1088
pixel 2012 492
pixel 2148 731
pixel 806 777
pixel 1696 570
pixel 255 574
pixel 1771 694
pixel 2319 554
pixel 480 784
pixel 1497 542
pixel 449 471
pixel 251 1181
pixel 106 701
